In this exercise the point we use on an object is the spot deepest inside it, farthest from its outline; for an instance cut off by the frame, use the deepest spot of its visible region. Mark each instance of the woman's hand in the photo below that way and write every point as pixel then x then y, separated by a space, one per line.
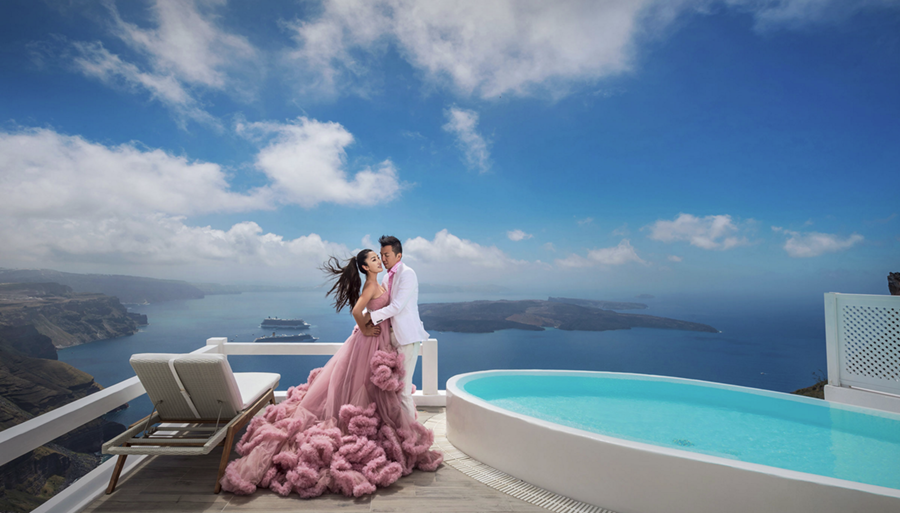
pixel 370 330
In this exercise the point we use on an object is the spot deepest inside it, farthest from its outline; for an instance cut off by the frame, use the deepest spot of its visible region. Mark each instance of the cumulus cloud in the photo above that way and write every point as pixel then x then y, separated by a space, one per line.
pixel 93 60
pixel 517 235
pixel 44 174
pixel 621 254
pixel 306 162
pixel 485 49
pixel 517 47
pixel 447 248
pixel 157 239
pixel 463 124
pixel 812 244
pixel 549 246
pixel 64 198
pixel 186 42
pixel 674 258
pixel 185 53
pixel 711 232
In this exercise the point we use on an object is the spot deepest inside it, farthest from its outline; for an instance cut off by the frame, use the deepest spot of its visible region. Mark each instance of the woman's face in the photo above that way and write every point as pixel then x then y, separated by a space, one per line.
pixel 373 262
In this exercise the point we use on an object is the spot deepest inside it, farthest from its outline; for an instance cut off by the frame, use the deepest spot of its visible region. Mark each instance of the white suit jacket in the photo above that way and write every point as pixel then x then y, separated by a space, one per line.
pixel 404 308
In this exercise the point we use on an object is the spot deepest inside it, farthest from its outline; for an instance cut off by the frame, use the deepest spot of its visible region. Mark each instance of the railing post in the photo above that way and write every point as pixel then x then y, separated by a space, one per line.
pixel 430 367
pixel 832 348
pixel 217 341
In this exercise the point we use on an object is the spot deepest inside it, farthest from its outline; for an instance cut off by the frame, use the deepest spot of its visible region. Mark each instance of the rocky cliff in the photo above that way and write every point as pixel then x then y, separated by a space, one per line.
pixel 32 382
pixel 66 317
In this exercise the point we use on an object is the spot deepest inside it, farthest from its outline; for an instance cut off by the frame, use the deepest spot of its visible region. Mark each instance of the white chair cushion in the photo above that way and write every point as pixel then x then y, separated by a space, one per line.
pixel 253 385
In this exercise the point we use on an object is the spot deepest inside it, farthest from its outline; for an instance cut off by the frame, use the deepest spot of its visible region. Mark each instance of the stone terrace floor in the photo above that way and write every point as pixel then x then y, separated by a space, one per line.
pixel 185 483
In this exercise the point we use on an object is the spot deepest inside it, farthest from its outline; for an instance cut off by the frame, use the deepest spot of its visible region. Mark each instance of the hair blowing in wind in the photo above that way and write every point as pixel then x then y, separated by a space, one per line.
pixel 347 282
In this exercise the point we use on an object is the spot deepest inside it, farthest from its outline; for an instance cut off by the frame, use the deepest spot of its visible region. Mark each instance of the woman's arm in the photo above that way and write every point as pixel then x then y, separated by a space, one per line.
pixel 368 293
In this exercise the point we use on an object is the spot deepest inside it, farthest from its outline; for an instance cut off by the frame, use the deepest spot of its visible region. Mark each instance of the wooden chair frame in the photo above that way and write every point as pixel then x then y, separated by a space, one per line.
pixel 174 437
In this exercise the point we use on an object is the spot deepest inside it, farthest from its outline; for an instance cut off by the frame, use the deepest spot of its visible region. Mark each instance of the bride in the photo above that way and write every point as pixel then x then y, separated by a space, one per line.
pixel 345 429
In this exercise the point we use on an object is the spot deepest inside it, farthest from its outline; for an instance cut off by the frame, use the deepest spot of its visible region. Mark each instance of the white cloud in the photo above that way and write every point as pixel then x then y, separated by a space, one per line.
pixel 549 246
pixel 586 220
pixel 484 48
pixel 66 199
pixel 185 53
pixel 771 14
pixel 812 244
pixel 517 235
pixel 463 123
pixel 93 60
pixel 674 258
pixel 447 248
pixel 711 232
pixel 367 242
pixel 517 47
pixel 617 255
pixel 187 43
pixel 44 174
pixel 306 161
pixel 157 239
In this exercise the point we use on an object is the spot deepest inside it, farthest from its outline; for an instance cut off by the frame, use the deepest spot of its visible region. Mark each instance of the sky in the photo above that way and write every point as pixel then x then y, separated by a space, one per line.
pixel 601 148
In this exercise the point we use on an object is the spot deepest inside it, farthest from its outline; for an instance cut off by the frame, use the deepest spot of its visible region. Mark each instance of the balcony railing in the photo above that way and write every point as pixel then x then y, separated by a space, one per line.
pixel 28 436
pixel 862 337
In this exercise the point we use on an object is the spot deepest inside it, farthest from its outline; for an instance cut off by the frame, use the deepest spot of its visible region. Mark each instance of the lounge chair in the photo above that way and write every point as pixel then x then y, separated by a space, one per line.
pixel 197 404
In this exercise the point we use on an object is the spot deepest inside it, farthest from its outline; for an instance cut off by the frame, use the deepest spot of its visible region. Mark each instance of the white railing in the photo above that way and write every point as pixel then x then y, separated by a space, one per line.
pixel 28 436
pixel 862 338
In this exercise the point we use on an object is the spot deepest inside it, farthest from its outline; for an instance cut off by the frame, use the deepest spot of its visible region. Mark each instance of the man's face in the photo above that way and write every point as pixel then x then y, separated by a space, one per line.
pixel 388 256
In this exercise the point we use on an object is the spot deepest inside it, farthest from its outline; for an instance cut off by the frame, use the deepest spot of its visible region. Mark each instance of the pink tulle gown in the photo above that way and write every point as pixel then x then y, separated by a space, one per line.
pixel 343 431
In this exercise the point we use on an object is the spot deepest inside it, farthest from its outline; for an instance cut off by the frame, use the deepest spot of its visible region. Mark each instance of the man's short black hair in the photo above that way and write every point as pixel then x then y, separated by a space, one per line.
pixel 393 242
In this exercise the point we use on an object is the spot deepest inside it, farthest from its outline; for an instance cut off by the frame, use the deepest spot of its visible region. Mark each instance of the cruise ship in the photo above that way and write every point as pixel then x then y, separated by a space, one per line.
pixel 302 337
pixel 286 324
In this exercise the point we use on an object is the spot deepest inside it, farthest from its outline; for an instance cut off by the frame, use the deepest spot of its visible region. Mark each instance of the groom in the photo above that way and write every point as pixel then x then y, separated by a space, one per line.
pixel 407 332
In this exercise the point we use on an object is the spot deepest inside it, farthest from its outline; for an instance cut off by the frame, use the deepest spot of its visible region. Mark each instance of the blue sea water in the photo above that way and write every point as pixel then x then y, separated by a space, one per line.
pixel 756 427
pixel 763 344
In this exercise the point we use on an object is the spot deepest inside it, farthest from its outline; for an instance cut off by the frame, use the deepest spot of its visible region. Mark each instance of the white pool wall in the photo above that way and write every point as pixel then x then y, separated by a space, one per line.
pixel 633 477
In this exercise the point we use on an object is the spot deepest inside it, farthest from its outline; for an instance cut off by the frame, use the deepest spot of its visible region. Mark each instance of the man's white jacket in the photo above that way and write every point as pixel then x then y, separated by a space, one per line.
pixel 404 308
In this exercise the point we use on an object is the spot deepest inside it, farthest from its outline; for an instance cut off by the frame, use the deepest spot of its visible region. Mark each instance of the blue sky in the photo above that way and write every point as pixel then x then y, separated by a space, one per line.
pixel 600 148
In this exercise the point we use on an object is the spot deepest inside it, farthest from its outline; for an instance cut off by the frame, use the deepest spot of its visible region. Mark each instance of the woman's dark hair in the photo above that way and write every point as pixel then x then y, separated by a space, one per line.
pixel 393 242
pixel 347 285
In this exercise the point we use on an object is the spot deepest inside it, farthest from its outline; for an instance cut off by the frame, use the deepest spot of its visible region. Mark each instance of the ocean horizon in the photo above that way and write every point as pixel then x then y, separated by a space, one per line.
pixel 761 344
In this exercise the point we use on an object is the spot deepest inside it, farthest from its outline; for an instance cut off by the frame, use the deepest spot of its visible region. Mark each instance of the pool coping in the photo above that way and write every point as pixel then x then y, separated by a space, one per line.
pixel 455 388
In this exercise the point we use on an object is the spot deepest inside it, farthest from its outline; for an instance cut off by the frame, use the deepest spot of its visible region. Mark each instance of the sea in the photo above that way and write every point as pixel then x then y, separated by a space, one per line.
pixel 762 343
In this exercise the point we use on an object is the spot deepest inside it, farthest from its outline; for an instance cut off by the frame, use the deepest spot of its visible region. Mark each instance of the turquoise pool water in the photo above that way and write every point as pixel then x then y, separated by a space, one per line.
pixel 749 425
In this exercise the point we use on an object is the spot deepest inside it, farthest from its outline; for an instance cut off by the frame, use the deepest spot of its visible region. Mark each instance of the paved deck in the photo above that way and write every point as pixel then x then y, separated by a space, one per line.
pixel 185 484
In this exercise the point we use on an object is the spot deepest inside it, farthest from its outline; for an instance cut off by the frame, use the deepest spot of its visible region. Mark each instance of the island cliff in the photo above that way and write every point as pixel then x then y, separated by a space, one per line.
pixel 535 315
pixel 32 382
pixel 67 318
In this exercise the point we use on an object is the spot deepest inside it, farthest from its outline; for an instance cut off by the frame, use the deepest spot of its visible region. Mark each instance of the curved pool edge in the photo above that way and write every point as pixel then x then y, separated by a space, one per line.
pixel 629 476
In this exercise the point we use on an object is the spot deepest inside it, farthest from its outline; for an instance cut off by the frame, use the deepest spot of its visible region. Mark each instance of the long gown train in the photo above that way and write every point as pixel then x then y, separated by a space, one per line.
pixel 343 431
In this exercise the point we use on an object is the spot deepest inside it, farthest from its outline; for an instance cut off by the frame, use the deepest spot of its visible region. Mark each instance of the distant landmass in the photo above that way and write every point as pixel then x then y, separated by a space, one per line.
pixel 213 289
pixel 536 315
pixel 129 289
pixel 603 305
pixel 67 318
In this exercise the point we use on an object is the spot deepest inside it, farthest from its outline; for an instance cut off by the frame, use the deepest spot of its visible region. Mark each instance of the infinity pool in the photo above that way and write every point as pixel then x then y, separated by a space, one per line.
pixel 648 443
pixel 755 426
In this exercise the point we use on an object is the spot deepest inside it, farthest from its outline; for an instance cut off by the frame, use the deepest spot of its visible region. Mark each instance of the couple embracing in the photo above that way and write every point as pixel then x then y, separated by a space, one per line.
pixel 352 426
